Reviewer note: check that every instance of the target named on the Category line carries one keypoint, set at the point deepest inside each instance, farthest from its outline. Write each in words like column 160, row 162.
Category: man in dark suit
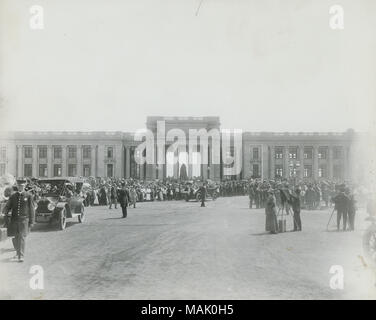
column 123, row 199
column 341, row 205
column 22, row 219
column 295, row 204
column 203, row 194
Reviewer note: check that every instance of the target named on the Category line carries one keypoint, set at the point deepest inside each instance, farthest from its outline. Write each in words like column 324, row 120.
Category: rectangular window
column 278, row 171
column 58, row 152
column 43, row 170
column 86, row 170
column 3, row 153
column 255, row 153
column 2, row 169
column 322, row 172
column 293, row 152
column 279, row 152
column 57, row 170
column 28, row 152
column 42, row 152
column 308, row 153
column 255, row 171
column 86, row 152
column 323, row 151
column 72, row 152
column 28, row 170
column 110, row 152
column 337, row 152
column 110, row 170
column 72, row 170
column 307, row 172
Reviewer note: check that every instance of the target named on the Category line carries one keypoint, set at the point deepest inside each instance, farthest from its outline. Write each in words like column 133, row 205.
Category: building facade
column 263, row 155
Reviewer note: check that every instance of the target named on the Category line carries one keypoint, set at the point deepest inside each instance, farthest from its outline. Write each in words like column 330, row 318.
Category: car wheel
column 198, row 196
column 62, row 219
column 81, row 217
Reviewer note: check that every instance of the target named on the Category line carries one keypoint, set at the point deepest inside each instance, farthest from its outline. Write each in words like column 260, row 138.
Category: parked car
column 60, row 199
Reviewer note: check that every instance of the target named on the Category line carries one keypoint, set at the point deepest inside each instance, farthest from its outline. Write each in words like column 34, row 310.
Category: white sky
column 270, row 65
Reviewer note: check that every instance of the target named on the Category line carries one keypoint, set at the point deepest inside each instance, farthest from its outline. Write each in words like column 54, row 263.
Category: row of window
column 308, row 171
column 308, row 152
column 58, row 151
column 57, row 170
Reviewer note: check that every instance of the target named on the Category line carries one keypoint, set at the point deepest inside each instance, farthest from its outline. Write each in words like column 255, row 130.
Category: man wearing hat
column 203, row 194
column 295, row 203
column 341, row 205
column 124, row 199
column 21, row 205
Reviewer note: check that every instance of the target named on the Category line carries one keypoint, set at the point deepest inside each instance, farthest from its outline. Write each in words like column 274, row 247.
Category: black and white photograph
column 187, row 150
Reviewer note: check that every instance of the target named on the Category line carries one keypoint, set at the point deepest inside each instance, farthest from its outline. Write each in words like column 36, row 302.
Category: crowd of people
column 273, row 195
column 279, row 197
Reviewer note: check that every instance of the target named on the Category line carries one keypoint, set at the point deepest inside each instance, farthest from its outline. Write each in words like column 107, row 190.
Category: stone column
column 64, row 170
column 19, row 161
column 79, row 161
column 286, row 168
column 272, row 162
column 93, row 160
column 127, row 162
column 330, row 162
column 345, row 163
column 349, row 160
column 264, row 163
column 35, row 162
column 49, row 162
column 204, row 167
column 315, row 162
column 301, row 161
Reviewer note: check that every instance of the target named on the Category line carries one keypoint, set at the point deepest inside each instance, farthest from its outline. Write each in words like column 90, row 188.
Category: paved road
column 177, row 250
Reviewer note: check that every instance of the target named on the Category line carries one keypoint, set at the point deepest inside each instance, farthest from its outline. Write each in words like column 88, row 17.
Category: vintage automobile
column 60, row 199
column 192, row 192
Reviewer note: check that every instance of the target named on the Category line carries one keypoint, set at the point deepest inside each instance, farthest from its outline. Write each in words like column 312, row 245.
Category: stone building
column 114, row 154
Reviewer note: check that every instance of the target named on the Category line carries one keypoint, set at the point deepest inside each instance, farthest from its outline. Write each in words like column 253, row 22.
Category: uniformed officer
column 21, row 205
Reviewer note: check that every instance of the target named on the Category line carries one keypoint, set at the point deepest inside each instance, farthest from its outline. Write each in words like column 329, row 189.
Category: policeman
column 21, row 205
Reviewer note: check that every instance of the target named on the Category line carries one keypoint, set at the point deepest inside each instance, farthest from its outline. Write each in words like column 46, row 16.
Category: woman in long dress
column 271, row 213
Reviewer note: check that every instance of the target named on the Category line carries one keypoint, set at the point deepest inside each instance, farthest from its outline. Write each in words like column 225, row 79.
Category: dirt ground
column 177, row 250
